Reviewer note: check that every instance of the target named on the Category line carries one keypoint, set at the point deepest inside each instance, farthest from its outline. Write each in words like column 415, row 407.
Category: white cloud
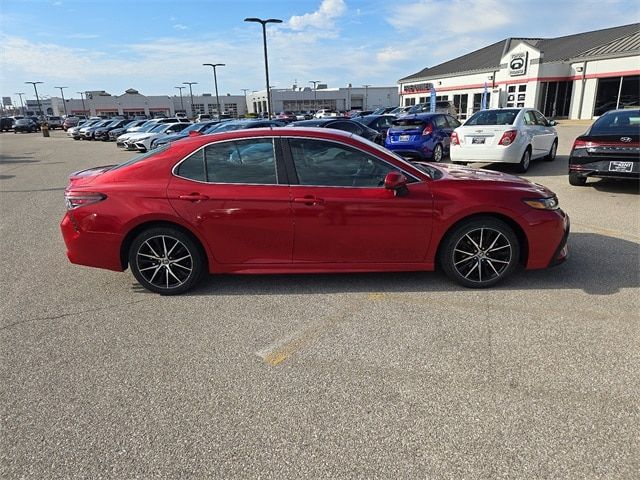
column 180, row 26
column 455, row 16
column 323, row 18
column 82, row 36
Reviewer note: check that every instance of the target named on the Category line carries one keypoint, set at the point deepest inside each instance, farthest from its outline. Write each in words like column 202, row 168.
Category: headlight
column 550, row 203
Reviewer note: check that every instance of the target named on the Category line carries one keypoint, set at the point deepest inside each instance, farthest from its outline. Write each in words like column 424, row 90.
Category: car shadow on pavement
column 612, row 185
column 558, row 167
column 12, row 159
column 598, row 264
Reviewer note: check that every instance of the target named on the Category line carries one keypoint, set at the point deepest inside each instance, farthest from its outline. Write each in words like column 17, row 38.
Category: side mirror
column 397, row 182
column 552, row 123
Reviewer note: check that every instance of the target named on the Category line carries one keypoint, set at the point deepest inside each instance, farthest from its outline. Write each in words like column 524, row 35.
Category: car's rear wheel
column 525, row 161
column 437, row 153
column 166, row 260
column 577, row 180
column 552, row 153
column 480, row 252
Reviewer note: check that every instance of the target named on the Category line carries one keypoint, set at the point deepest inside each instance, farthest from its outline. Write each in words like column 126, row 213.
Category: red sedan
column 304, row 200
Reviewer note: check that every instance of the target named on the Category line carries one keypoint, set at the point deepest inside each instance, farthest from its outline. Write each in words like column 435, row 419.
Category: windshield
column 493, row 117
column 617, row 123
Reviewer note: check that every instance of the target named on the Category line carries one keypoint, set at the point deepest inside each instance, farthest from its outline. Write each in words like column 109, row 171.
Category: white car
column 326, row 113
column 146, row 127
column 505, row 135
column 142, row 142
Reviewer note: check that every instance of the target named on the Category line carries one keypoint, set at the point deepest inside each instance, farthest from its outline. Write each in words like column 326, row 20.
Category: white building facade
column 578, row 76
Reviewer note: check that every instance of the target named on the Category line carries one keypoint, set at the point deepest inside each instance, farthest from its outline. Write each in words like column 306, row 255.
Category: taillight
column 75, row 200
column 582, row 144
column 428, row 130
column 508, row 137
column 454, row 139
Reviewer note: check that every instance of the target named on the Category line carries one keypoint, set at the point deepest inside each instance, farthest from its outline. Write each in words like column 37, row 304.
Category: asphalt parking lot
column 401, row 375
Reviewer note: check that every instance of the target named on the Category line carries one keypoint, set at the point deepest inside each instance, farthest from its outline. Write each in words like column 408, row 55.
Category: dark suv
column 6, row 124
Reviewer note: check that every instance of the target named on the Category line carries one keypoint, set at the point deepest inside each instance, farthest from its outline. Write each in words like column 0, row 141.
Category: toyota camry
column 304, row 200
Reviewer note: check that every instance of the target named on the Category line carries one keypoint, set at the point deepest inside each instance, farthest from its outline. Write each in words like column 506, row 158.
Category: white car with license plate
column 142, row 142
column 505, row 135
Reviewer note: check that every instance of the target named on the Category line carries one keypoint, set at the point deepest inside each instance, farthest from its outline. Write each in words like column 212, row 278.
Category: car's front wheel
column 166, row 260
column 480, row 252
column 551, row 156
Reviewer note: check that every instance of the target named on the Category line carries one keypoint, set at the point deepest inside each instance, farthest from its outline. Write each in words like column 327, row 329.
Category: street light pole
column 84, row 109
column 315, row 93
column 63, row 102
column 366, row 97
column 37, row 97
column 21, row 103
column 181, row 102
column 215, row 82
column 266, row 62
column 191, row 95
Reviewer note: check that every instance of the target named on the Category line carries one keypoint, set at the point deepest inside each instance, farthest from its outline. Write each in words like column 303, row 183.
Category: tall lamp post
column 37, row 97
column 191, row 95
column 63, row 102
column 266, row 62
column 215, row 82
column 84, row 109
column 366, row 96
column 21, row 103
column 315, row 93
column 181, row 101
column 245, row 90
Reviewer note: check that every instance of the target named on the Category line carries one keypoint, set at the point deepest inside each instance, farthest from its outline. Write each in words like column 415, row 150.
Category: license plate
column 621, row 167
column 404, row 138
column 477, row 141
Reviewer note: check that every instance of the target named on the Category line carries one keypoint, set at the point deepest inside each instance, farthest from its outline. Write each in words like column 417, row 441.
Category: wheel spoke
column 481, row 235
column 494, row 242
column 171, row 250
column 155, row 273
column 472, row 269
column 166, row 274
column 471, row 257
column 498, row 248
column 164, row 246
column 148, row 256
column 497, row 261
column 180, row 259
column 181, row 266
column 472, row 241
column 492, row 267
column 149, row 268
column 462, row 251
column 151, row 248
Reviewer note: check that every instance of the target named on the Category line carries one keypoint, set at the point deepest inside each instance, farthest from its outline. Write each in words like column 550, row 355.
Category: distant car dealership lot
column 319, row 375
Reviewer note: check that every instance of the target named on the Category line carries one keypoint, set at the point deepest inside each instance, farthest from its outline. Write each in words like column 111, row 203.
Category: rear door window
column 250, row 161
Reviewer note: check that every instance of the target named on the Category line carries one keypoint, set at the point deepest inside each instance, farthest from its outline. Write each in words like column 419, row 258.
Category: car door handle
column 308, row 200
column 193, row 197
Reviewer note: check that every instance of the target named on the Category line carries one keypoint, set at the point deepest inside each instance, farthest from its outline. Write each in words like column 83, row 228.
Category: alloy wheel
column 437, row 153
column 482, row 255
column 164, row 262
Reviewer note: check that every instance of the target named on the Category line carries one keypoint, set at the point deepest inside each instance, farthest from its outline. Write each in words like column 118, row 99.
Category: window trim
column 292, row 173
column 279, row 172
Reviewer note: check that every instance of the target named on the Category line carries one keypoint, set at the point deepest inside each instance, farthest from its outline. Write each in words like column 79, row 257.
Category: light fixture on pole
column 37, row 97
column 215, row 82
column 181, row 102
column 266, row 62
column 21, row 102
column 366, row 96
column 63, row 102
column 84, row 109
column 315, row 93
column 193, row 116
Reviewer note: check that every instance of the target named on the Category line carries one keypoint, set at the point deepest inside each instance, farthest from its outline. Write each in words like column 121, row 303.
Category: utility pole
column 37, row 97
column 315, row 93
column 215, row 82
column 181, row 102
column 84, row 109
column 21, row 102
column 63, row 102
column 193, row 116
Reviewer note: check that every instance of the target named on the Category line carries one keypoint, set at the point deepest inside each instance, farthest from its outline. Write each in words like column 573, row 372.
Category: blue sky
column 155, row 45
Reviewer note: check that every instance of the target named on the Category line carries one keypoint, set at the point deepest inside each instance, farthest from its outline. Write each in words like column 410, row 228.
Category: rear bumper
column 93, row 249
column 602, row 168
column 495, row 154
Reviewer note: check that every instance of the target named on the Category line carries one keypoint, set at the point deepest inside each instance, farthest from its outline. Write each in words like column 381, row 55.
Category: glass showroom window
column 617, row 92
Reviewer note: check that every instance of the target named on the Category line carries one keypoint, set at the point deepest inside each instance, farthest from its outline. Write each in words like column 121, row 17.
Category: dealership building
column 577, row 76
column 132, row 103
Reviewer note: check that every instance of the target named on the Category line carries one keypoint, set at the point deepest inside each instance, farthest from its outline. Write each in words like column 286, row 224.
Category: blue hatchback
column 424, row 136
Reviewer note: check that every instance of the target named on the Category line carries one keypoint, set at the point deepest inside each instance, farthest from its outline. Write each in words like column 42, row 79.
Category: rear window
column 409, row 124
column 493, row 117
column 617, row 123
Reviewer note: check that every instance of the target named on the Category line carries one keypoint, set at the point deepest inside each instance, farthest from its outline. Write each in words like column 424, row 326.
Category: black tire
column 479, row 252
column 438, row 153
column 525, row 161
column 551, row 156
column 155, row 251
column 577, row 180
